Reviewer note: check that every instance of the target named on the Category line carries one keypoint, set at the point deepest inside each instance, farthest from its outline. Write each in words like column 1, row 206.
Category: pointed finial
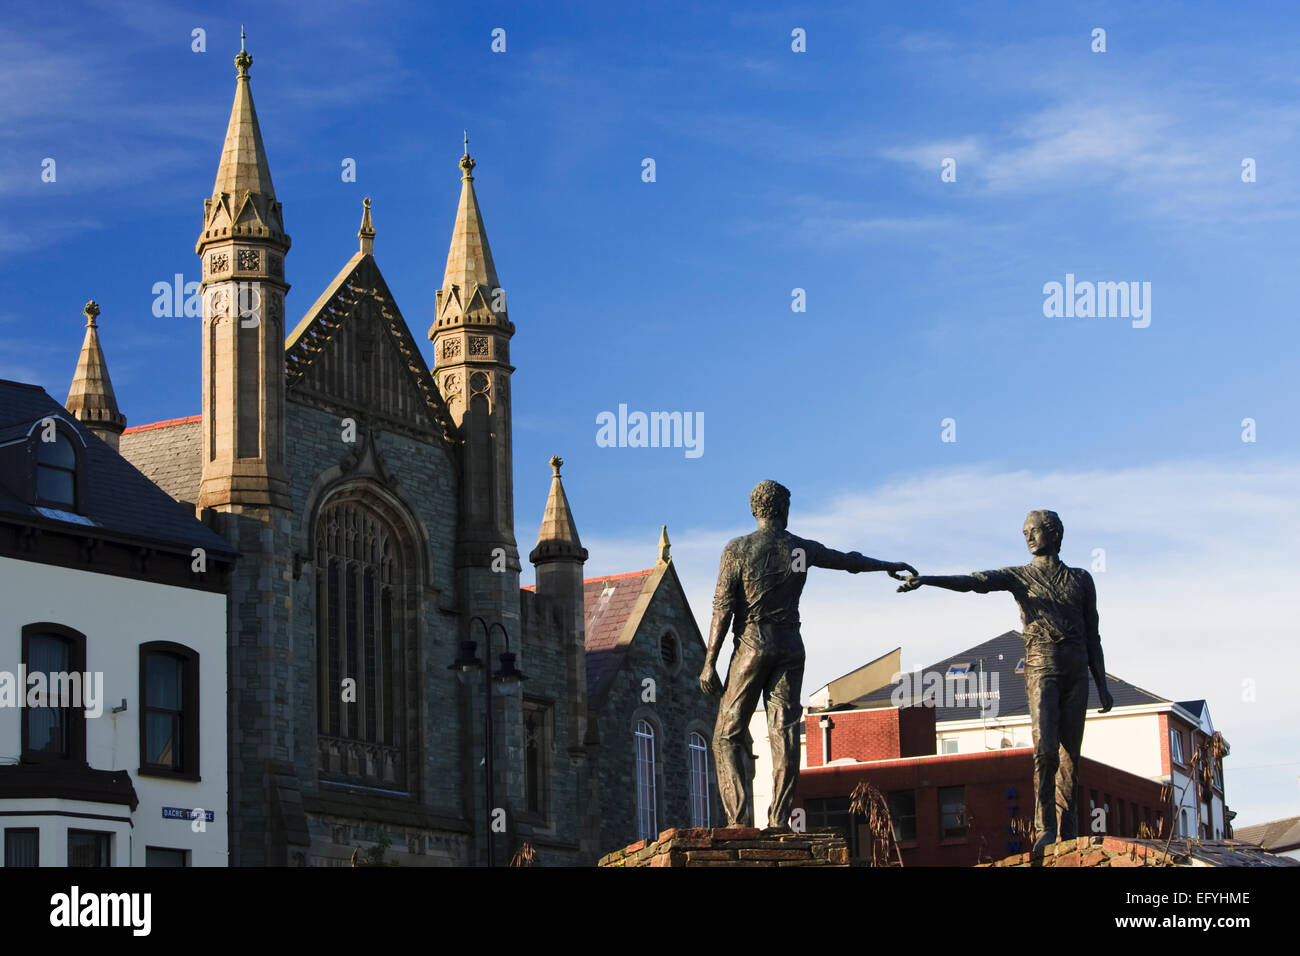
column 466, row 162
column 367, row 231
column 664, row 545
column 556, row 462
column 90, row 311
column 243, row 60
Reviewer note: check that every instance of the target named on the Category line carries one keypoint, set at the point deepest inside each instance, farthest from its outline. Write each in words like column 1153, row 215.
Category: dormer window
column 56, row 472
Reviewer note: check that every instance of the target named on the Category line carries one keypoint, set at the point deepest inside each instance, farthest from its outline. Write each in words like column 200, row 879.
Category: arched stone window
column 647, row 817
column 366, row 608
column 698, row 749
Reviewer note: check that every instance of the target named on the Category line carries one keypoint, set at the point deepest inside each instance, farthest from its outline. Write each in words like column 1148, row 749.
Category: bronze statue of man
column 1058, row 611
column 759, row 583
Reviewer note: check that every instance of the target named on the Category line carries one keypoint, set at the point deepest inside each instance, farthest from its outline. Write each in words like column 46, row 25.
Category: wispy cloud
column 928, row 156
column 1163, row 158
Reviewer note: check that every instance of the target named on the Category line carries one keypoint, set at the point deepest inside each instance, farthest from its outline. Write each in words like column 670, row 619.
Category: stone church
column 371, row 501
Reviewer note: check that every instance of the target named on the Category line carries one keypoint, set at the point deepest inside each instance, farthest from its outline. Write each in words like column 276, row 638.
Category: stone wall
column 734, row 846
column 555, row 834
column 273, row 659
column 678, row 708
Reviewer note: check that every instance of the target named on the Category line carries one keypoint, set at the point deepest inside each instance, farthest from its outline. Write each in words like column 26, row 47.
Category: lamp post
column 507, row 679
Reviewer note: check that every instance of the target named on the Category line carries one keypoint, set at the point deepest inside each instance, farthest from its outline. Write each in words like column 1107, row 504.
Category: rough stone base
column 1119, row 851
column 734, row 846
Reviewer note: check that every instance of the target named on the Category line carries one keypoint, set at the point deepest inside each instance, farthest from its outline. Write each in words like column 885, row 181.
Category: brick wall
column 996, row 791
column 880, row 734
column 1165, row 758
column 1098, row 851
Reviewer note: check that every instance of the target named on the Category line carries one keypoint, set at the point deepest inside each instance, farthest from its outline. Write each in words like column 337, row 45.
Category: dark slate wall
column 679, row 707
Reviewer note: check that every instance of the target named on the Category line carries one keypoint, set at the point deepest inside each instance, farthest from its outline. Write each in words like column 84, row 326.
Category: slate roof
column 1011, row 701
column 1220, row 853
column 170, row 454
column 608, row 604
column 1276, row 835
column 118, row 498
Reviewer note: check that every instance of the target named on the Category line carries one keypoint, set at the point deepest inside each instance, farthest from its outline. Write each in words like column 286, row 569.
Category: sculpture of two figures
column 759, row 583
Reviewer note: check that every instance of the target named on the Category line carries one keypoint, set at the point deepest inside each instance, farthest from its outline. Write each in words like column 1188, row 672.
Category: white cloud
column 928, row 156
column 1166, row 155
column 1197, row 596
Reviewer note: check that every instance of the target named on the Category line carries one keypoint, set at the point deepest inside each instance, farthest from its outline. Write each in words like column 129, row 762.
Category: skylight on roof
column 67, row 516
column 1020, row 666
column 958, row 670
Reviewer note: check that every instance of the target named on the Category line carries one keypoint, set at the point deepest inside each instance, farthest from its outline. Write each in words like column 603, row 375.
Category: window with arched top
column 698, row 749
column 647, row 818
column 53, row 720
column 538, row 748
column 56, row 471
column 668, row 651
column 364, row 611
column 169, row 710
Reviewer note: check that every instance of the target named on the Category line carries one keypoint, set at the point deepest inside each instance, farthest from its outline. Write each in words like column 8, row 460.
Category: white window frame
column 646, row 803
column 1176, row 747
column 699, row 754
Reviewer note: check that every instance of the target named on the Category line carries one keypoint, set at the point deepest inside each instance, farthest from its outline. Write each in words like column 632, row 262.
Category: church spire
column 469, row 259
column 558, row 537
column 242, row 250
column 558, row 559
column 243, row 158
column 91, row 397
column 243, row 199
column 471, row 348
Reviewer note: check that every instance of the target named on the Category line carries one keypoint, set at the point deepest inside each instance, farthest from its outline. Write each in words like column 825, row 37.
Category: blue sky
column 775, row 170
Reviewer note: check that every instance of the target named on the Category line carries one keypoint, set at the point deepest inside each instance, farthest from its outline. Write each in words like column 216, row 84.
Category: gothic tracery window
column 537, row 756
column 360, row 627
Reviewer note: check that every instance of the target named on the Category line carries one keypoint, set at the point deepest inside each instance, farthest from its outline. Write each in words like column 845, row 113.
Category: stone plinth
column 734, row 846
column 1106, row 851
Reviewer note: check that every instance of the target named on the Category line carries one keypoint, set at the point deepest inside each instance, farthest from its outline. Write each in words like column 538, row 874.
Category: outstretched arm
column 952, row 582
column 981, row 583
column 820, row 556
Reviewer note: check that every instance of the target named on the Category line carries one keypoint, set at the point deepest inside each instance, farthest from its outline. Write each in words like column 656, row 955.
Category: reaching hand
column 911, row 584
column 897, row 566
column 709, row 682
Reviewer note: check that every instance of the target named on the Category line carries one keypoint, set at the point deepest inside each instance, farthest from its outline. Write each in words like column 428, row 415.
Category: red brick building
column 949, row 809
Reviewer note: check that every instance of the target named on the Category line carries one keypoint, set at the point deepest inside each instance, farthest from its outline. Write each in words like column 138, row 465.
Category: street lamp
column 506, row 678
